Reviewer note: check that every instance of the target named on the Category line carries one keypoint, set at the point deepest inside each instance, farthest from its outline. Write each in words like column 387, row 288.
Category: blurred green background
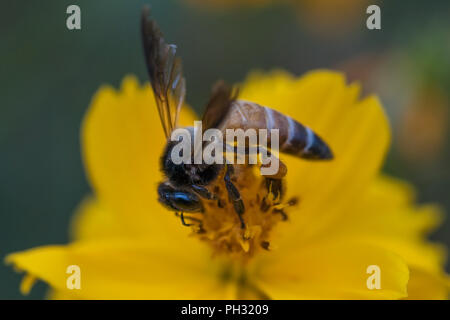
column 49, row 74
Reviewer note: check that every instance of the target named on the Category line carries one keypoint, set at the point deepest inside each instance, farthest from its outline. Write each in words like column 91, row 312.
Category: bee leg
column 234, row 195
column 275, row 191
column 274, row 185
column 184, row 223
column 280, row 174
column 203, row 192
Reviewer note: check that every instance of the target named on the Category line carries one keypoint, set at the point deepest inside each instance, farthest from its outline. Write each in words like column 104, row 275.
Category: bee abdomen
column 301, row 141
column 294, row 138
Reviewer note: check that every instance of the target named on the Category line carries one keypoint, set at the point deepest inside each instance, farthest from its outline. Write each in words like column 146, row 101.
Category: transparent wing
column 219, row 104
column 165, row 72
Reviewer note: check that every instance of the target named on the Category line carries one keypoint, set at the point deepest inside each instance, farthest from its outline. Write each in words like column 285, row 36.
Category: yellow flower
column 348, row 216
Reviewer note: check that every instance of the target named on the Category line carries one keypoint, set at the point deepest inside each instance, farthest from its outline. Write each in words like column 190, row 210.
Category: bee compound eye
column 185, row 201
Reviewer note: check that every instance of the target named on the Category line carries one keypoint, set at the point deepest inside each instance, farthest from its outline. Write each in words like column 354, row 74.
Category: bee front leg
column 184, row 223
column 203, row 192
column 234, row 195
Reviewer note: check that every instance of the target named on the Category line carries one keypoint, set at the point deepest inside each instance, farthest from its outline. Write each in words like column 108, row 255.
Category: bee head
column 187, row 174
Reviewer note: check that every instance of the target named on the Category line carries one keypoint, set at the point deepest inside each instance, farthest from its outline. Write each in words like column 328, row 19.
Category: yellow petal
column 27, row 283
column 389, row 207
column 93, row 221
column 60, row 295
column 333, row 270
column 426, row 286
column 357, row 131
column 387, row 216
column 124, row 269
column 122, row 140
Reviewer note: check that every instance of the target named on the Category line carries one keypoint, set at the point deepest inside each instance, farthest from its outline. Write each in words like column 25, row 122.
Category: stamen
column 283, row 214
column 241, row 235
column 265, row 245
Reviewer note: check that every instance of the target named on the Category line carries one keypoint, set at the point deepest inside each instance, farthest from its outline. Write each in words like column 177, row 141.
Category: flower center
column 235, row 275
column 220, row 225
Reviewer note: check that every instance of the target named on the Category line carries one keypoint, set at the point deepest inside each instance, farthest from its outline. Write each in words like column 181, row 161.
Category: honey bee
column 187, row 184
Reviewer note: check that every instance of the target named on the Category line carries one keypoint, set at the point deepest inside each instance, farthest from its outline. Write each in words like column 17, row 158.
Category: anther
column 221, row 203
column 264, row 205
column 293, row 201
column 265, row 245
column 284, row 216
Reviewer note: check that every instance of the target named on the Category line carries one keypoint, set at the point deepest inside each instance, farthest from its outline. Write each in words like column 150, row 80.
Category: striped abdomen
column 294, row 138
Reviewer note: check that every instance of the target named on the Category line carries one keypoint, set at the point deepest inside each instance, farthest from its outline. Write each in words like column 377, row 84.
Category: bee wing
column 219, row 104
column 165, row 72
